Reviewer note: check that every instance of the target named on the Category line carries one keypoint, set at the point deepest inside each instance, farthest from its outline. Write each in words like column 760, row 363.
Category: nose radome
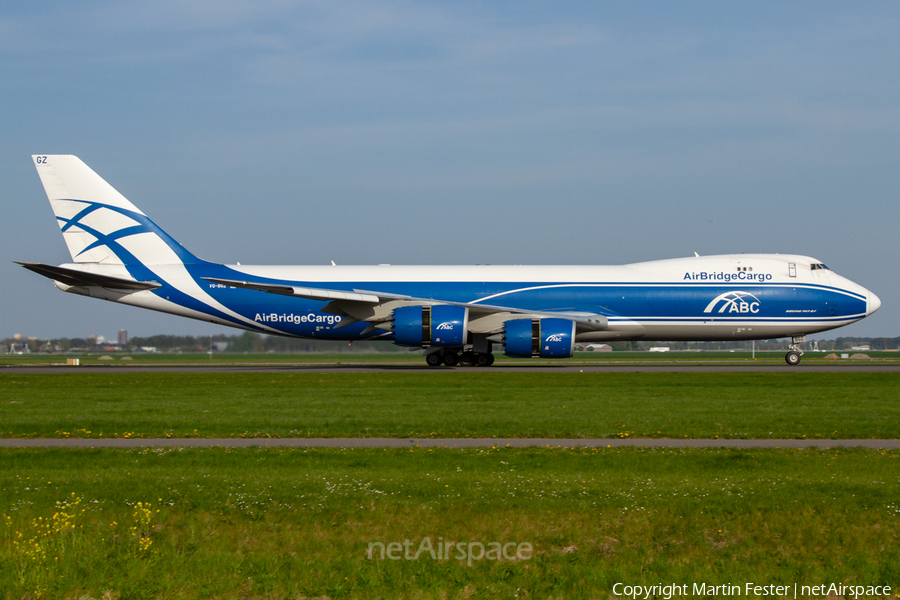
column 873, row 303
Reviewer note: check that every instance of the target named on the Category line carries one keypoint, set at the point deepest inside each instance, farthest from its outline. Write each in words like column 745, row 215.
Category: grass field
column 251, row 523
column 291, row 523
column 452, row 404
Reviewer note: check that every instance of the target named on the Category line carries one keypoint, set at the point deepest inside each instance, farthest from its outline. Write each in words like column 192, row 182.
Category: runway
column 439, row 443
column 837, row 367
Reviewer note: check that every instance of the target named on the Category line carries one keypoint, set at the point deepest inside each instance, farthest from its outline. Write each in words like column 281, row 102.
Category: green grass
column 452, row 404
column 284, row 523
column 288, row 523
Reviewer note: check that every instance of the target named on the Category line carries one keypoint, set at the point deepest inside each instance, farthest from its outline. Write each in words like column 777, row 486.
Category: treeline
column 254, row 342
column 879, row 343
column 841, row 343
column 761, row 345
column 245, row 342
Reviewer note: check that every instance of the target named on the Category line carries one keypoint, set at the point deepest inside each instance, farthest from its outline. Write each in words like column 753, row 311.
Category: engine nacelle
column 439, row 325
column 546, row 338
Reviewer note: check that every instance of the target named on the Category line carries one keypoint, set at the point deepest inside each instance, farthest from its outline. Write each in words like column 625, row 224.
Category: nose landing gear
column 794, row 352
column 792, row 358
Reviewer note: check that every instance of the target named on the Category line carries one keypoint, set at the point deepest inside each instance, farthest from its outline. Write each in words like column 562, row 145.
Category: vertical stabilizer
column 98, row 223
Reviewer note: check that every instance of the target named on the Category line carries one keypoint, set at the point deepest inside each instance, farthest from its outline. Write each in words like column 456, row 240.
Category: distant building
column 123, row 338
column 594, row 347
column 660, row 349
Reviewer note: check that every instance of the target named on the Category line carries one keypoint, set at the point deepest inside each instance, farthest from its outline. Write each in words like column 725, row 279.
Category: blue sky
column 456, row 133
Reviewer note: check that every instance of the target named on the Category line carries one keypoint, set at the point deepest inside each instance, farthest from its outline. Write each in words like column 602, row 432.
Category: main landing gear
column 451, row 358
column 794, row 352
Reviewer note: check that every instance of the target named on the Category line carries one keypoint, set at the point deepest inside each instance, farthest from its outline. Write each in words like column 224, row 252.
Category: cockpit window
column 818, row 267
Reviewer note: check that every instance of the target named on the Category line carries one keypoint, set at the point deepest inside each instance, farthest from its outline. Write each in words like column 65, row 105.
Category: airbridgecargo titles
column 726, row 277
column 308, row 318
column 454, row 314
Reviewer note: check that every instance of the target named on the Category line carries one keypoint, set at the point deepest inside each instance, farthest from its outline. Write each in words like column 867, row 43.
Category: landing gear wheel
column 794, row 351
column 467, row 358
column 484, row 359
column 451, row 359
column 434, row 359
column 792, row 358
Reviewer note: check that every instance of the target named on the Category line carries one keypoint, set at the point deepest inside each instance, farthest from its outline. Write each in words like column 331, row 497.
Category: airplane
column 454, row 314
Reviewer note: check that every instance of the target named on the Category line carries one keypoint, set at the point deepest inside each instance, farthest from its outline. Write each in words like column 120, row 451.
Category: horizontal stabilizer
column 74, row 277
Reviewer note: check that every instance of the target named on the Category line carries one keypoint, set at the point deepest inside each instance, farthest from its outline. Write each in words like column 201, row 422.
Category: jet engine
column 438, row 325
column 546, row 338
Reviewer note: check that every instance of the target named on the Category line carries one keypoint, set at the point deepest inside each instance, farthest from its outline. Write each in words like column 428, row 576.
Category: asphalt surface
column 524, row 368
column 438, row 443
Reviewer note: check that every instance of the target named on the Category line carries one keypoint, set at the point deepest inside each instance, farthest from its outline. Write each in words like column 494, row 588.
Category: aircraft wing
column 307, row 292
column 75, row 277
column 374, row 307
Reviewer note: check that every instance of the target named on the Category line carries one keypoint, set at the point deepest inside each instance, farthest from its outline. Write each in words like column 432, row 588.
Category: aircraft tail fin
column 98, row 223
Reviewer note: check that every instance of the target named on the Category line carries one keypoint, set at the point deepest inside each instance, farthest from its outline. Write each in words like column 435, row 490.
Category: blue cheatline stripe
column 755, row 320
column 692, row 301
column 811, row 286
column 140, row 271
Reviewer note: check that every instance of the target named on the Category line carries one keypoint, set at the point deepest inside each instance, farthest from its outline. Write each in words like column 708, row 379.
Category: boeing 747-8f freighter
column 456, row 314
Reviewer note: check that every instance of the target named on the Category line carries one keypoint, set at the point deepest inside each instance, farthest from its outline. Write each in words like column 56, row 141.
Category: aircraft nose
column 873, row 303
